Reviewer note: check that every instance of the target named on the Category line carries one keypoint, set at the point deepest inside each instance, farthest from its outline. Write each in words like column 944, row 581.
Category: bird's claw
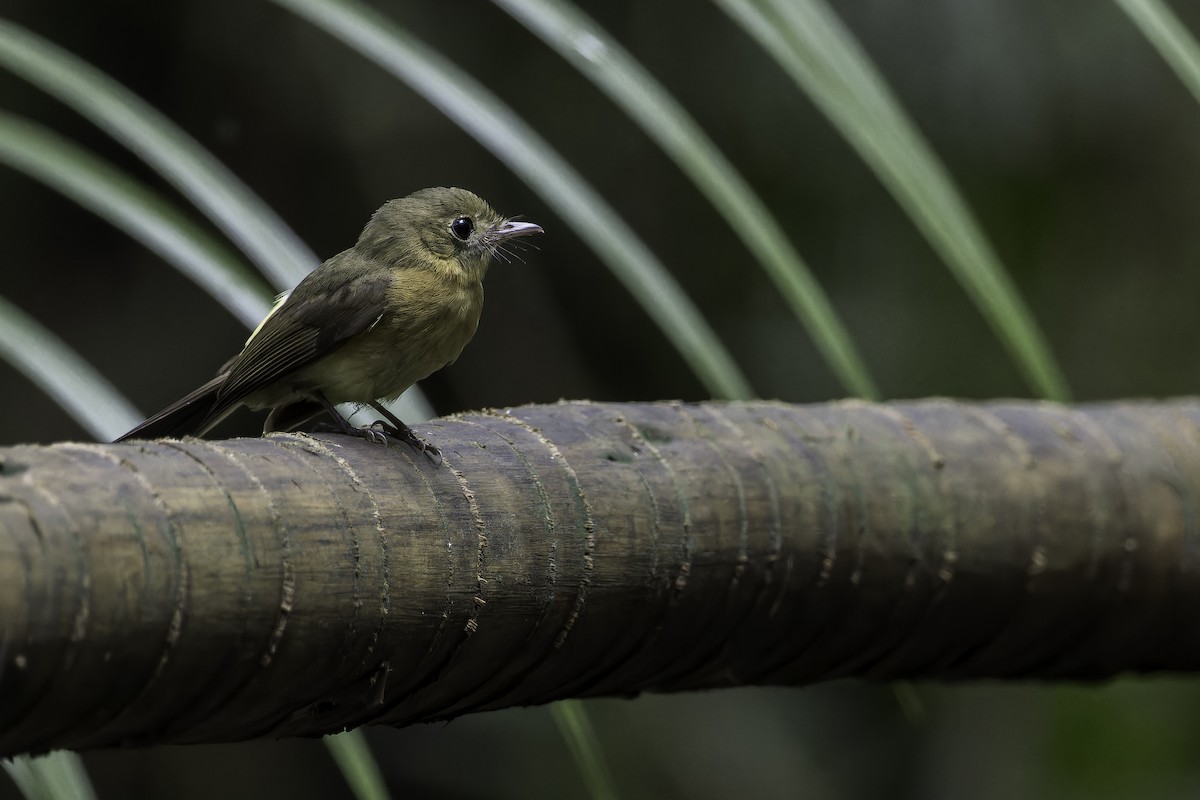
column 426, row 448
column 407, row 435
column 380, row 431
column 377, row 432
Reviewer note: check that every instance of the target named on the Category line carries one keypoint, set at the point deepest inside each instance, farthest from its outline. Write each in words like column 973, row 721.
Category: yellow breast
column 421, row 332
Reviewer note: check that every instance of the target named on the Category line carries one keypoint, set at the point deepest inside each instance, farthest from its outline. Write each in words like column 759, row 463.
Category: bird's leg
column 380, row 430
column 371, row 434
column 402, row 431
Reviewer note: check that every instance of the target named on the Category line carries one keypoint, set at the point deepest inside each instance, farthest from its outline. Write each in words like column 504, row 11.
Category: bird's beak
column 511, row 230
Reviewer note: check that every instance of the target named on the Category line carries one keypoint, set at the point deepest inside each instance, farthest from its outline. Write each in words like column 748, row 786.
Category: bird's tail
column 191, row 415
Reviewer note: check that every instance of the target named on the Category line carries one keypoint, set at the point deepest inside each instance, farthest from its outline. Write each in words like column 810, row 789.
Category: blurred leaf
column 55, row 776
column 1170, row 38
column 911, row 704
column 817, row 51
column 136, row 210
column 61, row 373
column 598, row 56
column 353, row 757
column 216, row 191
column 576, row 728
column 1126, row 739
column 497, row 127
column 179, row 158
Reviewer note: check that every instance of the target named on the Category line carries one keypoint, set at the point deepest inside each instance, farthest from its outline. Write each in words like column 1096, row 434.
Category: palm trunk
column 198, row 591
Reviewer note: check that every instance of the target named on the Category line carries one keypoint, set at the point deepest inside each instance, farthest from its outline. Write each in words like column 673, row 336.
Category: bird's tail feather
column 192, row 415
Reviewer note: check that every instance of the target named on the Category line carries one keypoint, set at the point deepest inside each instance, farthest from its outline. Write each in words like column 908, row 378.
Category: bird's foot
column 380, row 431
column 376, row 433
column 403, row 433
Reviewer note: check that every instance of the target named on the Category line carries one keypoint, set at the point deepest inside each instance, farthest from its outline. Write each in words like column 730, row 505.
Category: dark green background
column 1075, row 145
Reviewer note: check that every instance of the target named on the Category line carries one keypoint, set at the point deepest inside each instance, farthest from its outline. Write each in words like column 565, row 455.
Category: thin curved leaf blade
column 59, row 775
column 482, row 115
column 582, row 42
column 201, row 177
column 358, row 766
column 63, row 375
column 1164, row 30
column 130, row 206
column 812, row 46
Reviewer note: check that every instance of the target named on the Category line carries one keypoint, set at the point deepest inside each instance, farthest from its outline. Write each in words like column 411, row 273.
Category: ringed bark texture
column 198, row 591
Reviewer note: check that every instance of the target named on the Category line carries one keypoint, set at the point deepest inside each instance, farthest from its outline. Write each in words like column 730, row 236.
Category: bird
column 363, row 326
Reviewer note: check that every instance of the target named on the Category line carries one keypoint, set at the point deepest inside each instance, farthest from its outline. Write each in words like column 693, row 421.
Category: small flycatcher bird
column 362, row 327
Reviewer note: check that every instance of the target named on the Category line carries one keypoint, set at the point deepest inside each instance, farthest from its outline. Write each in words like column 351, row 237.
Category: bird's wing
column 309, row 325
column 316, row 319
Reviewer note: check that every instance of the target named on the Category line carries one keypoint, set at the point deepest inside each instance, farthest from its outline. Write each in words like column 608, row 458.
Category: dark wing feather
column 277, row 350
column 312, row 323
column 321, row 313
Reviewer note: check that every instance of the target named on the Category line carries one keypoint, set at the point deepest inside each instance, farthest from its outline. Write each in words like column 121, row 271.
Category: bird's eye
column 462, row 228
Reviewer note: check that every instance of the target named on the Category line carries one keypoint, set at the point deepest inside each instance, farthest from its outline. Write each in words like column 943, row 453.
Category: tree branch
column 195, row 591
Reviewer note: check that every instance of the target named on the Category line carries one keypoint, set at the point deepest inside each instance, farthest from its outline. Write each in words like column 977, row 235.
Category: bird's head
column 451, row 230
